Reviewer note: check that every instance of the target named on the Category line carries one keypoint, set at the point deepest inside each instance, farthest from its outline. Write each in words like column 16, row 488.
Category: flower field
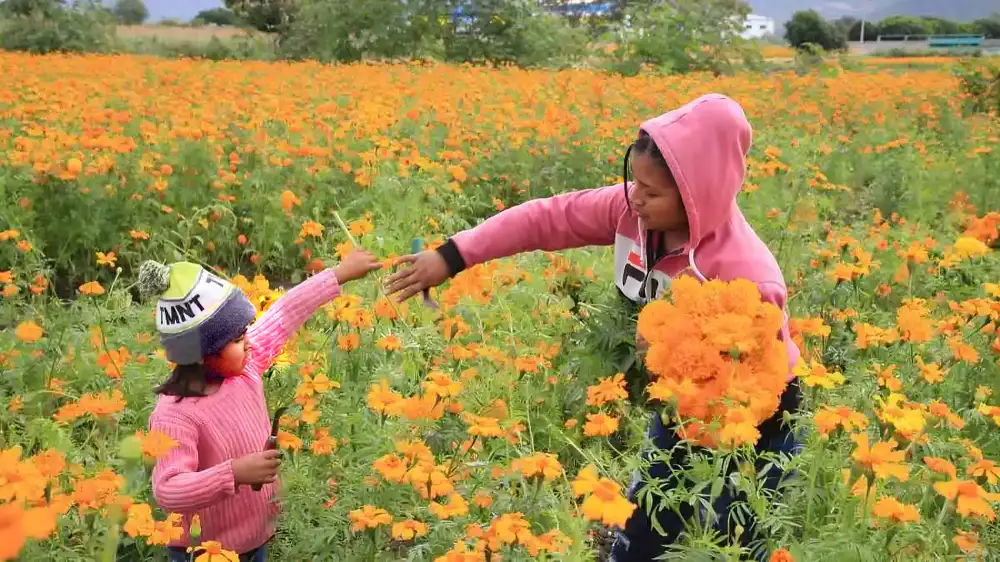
column 507, row 423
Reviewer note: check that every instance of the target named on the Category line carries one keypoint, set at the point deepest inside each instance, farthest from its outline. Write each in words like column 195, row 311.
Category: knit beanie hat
column 197, row 313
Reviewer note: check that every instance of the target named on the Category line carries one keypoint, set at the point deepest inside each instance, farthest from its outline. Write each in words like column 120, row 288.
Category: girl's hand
column 641, row 345
column 356, row 265
column 428, row 269
column 257, row 468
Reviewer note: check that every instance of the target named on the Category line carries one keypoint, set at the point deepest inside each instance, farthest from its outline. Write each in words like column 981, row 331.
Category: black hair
column 643, row 145
column 186, row 381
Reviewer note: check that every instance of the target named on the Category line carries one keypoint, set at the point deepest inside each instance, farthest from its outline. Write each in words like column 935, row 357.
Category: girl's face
column 655, row 196
column 229, row 361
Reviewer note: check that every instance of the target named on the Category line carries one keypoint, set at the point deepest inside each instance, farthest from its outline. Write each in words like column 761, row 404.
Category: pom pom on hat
column 154, row 278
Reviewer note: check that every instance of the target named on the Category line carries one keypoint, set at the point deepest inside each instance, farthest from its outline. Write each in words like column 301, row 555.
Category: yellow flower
column 107, row 259
column 813, row 373
column 968, row 247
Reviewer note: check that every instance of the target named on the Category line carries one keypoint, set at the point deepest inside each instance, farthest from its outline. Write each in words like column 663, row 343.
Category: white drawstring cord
column 695, row 267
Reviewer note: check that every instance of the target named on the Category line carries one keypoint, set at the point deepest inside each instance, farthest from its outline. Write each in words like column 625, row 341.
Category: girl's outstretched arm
column 178, row 485
column 570, row 220
column 267, row 336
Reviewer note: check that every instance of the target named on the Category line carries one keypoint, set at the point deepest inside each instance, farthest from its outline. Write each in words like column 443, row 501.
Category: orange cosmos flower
column 12, row 534
column 882, row 458
column 604, row 501
column 600, row 425
column 29, row 332
column 542, row 465
column 212, row 551
column 408, row 530
column 369, row 517
column 155, row 444
column 289, row 441
column 828, row 419
column 608, row 389
column 890, row 508
column 441, row 386
column 311, row 228
column 107, row 259
column 456, row 507
column 349, row 342
column 389, row 343
column 482, row 426
column 972, row 499
column 92, row 288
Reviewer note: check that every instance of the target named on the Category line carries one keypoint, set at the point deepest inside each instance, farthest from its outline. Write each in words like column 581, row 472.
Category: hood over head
column 705, row 144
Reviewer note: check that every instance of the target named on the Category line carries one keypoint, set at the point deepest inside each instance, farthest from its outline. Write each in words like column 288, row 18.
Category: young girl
column 678, row 217
column 213, row 402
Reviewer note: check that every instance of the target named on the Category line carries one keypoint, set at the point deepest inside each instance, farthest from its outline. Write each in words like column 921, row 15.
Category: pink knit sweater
column 196, row 477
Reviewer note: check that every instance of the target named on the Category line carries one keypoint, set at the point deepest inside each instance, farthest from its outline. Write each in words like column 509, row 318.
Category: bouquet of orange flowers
column 716, row 358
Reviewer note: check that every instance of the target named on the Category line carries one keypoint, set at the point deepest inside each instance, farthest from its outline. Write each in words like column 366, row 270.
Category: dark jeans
column 257, row 555
column 641, row 542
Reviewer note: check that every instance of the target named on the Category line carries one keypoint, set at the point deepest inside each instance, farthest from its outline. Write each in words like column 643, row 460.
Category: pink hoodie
column 705, row 143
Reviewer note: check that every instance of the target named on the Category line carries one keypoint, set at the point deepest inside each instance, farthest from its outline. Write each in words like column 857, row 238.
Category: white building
column 756, row 27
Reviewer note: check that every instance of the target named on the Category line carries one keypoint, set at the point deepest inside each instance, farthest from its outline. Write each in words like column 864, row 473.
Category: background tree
column 686, row 35
column 990, row 27
column 218, row 16
column 266, row 15
column 808, row 27
column 130, row 12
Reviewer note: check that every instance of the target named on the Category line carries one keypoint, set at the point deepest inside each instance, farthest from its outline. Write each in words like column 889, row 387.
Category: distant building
column 584, row 8
column 756, row 27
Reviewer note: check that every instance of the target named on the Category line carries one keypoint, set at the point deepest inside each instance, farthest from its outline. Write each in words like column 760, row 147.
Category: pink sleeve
column 178, row 485
column 569, row 220
column 268, row 334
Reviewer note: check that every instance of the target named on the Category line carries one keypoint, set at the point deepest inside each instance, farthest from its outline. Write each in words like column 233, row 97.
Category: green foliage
column 130, row 12
column 43, row 26
column 810, row 27
column 265, row 15
column 509, row 31
column 687, row 35
column 981, row 86
column 344, row 30
column 218, row 16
